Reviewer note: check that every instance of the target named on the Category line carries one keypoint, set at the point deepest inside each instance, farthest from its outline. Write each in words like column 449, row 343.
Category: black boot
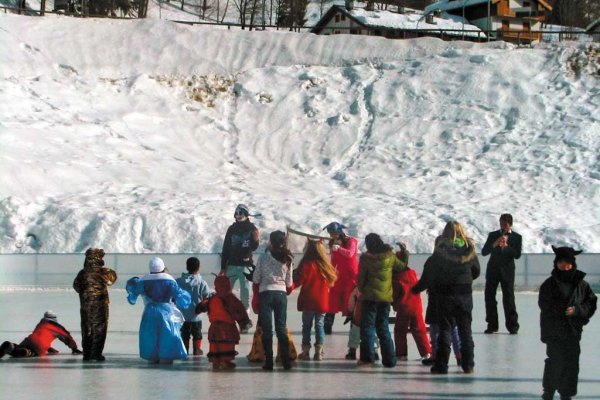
column 6, row 348
column 284, row 346
column 268, row 347
column 548, row 395
column 329, row 318
column 351, row 354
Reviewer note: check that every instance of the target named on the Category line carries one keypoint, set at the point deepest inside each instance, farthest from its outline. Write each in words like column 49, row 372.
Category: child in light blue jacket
column 197, row 287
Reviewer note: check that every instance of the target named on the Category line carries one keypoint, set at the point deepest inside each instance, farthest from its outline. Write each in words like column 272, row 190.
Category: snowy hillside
column 142, row 136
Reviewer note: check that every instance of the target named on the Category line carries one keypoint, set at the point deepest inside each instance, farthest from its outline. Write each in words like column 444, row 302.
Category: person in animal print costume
column 92, row 285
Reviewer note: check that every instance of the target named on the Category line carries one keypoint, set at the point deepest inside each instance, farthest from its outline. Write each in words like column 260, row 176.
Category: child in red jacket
column 224, row 310
column 315, row 275
column 39, row 343
column 409, row 311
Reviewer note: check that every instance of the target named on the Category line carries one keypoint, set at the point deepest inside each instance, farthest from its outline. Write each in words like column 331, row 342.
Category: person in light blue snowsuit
column 160, row 336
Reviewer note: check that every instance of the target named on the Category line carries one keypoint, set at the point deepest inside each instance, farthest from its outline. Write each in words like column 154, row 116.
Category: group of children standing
column 331, row 280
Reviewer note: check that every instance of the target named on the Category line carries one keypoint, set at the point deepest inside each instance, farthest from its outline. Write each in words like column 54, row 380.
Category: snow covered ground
column 142, row 136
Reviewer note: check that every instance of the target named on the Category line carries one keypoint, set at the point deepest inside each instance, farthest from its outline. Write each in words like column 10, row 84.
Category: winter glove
column 250, row 274
column 52, row 350
column 202, row 307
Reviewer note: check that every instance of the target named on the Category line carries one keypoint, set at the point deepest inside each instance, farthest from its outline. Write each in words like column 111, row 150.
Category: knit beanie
column 242, row 209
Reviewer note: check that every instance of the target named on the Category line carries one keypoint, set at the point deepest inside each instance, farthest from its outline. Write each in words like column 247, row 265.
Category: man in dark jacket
column 504, row 247
column 240, row 241
column 567, row 303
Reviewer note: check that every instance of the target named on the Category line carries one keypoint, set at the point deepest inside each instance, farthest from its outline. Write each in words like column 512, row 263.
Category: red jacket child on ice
column 39, row 343
column 409, row 311
column 224, row 310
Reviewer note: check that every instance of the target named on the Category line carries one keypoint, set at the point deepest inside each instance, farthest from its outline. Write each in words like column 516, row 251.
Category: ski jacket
column 406, row 301
column 240, row 241
column 314, row 291
column 375, row 275
column 345, row 261
column 449, row 270
column 198, row 290
column 555, row 297
column 44, row 334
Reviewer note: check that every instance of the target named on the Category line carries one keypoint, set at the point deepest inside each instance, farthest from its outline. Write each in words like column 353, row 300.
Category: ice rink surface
column 506, row 366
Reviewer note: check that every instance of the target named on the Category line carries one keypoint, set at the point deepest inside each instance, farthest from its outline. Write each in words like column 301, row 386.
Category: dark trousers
column 457, row 307
column 561, row 368
column 375, row 320
column 272, row 304
column 191, row 329
column 506, row 280
column 94, row 325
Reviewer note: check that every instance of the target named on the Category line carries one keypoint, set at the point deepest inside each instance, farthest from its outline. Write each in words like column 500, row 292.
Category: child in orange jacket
column 409, row 311
column 224, row 310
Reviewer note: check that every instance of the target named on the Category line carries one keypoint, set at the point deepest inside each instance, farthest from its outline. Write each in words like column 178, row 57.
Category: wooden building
column 511, row 20
column 395, row 25
column 593, row 30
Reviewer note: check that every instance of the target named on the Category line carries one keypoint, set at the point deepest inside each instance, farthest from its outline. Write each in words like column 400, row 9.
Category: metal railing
column 59, row 270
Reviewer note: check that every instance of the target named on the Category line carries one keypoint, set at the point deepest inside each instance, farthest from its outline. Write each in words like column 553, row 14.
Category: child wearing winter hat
column 198, row 289
column 567, row 303
column 224, row 310
column 39, row 343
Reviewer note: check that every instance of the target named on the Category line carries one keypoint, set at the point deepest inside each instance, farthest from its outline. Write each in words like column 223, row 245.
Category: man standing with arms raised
column 504, row 247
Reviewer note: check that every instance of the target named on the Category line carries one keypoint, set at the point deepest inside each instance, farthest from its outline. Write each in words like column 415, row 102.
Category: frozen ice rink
column 507, row 367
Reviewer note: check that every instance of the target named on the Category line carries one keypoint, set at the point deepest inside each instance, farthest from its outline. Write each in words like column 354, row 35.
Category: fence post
column 526, row 283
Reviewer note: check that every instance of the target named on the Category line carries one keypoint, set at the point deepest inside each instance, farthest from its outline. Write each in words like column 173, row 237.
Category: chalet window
column 337, row 18
column 354, row 31
column 336, row 32
column 343, row 17
column 526, row 4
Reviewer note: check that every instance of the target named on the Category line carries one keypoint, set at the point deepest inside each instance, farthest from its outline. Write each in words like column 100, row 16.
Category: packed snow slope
column 143, row 135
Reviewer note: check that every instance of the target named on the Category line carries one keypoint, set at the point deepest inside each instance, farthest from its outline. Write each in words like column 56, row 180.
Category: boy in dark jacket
column 567, row 303
column 92, row 285
column 39, row 343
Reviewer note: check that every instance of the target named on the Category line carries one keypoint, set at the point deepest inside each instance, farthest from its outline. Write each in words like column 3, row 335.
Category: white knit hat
column 156, row 265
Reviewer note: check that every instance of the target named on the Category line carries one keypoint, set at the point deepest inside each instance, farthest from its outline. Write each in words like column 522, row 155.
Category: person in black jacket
column 449, row 275
column 504, row 247
column 567, row 303
column 240, row 241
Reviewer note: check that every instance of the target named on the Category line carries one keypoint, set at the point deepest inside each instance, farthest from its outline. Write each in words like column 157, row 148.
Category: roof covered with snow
column 451, row 24
column 445, row 5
